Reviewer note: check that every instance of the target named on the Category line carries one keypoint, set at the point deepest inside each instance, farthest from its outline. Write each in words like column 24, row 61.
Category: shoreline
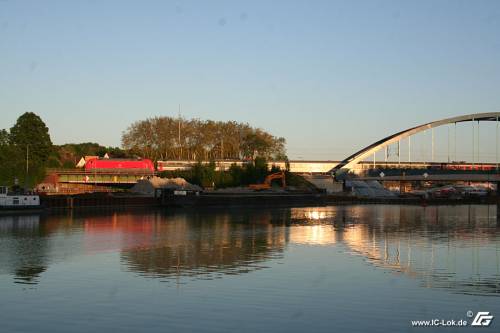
column 106, row 201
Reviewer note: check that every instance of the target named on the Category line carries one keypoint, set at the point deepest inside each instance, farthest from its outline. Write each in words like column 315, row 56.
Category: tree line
column 169, row 138
column 67, row 155
column 26, row 149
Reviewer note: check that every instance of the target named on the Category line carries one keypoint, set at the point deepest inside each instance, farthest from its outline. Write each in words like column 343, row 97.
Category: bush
column 205, row 175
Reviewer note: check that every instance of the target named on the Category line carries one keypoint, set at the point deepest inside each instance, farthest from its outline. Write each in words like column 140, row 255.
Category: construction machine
column 267, row 182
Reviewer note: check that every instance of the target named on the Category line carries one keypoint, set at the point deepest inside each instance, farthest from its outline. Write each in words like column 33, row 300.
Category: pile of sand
column 148, row 186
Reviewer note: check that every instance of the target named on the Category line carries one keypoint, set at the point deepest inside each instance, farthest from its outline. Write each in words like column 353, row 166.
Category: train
column 117, row 164
column 464, row 166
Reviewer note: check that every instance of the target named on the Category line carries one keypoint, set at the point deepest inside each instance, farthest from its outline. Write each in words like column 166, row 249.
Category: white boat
column 17, row 201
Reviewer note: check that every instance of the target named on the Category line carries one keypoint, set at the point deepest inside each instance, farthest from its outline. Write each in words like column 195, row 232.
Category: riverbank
column 304, row 199
column 85, row 201
column 258, row 199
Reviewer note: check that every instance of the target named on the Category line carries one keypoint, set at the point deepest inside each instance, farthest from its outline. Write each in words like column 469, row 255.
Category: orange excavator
column 267, row 182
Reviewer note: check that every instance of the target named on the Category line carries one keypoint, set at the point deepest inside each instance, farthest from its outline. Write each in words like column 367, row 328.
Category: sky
column 329, row 76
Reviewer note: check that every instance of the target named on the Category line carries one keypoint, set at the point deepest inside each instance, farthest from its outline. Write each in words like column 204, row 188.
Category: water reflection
column 456, row 248
column 24, row 251
column 201, row 246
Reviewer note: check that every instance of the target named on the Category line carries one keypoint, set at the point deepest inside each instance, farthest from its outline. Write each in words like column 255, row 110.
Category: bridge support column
column 498, row 213
column 473, row 143
column 496, row 144
column 455, row 142
column 399, row 152
column 69, row 202
column 432, row 144
column 409, row 149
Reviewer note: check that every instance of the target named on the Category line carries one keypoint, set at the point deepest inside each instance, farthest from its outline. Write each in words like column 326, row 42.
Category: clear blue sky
column 329, row 76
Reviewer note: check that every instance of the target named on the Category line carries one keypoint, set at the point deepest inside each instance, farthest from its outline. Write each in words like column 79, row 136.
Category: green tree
column 10, row 162
column 193, row 139
column 4, row 137
column 31, row 131
column 31, row 138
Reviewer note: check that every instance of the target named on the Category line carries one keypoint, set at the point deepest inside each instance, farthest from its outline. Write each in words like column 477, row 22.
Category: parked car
column 471, row 191
column 448, row 192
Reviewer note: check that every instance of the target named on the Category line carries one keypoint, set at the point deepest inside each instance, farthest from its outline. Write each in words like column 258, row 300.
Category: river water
column 359, row 268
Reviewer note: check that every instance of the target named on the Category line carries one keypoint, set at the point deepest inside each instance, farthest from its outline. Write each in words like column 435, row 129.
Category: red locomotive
column 105, row 164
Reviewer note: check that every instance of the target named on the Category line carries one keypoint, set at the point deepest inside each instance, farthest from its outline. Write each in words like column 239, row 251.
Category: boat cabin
column 9, row 200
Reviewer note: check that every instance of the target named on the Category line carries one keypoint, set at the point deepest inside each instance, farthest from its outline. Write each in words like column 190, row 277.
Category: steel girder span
column 348, row 163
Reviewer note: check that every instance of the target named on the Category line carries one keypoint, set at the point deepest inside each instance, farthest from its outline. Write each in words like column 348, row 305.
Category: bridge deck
column 100, row 177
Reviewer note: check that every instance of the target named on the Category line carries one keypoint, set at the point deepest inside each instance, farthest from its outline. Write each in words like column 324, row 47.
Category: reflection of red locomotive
column 117, row 164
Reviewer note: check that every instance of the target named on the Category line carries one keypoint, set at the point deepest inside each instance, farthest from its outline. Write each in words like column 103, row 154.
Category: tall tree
column 4, row 137
column 31, row 131
column 8, row 160
column 195, row 139
column 31, row 139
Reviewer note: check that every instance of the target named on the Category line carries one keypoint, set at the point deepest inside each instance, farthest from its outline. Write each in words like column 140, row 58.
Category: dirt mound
column 148, row 186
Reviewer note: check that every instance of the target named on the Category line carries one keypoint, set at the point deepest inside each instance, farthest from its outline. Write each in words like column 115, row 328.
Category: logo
column 482, row 319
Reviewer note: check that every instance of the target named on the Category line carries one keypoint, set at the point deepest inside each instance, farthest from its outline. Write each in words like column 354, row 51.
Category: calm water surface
column 327, row 269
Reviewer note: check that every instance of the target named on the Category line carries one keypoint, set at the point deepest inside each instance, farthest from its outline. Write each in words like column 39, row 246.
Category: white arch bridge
column 348, row 163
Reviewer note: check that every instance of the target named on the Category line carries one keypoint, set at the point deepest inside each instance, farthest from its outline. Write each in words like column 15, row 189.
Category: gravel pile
column 148, row 186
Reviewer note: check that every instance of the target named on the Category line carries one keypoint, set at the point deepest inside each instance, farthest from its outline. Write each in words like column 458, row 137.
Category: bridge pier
column 498, row 213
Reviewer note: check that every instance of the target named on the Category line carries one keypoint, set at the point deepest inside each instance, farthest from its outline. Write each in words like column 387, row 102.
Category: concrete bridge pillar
column 498, row 214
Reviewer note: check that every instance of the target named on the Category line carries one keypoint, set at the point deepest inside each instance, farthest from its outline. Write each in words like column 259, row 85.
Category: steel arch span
column 348, row 163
